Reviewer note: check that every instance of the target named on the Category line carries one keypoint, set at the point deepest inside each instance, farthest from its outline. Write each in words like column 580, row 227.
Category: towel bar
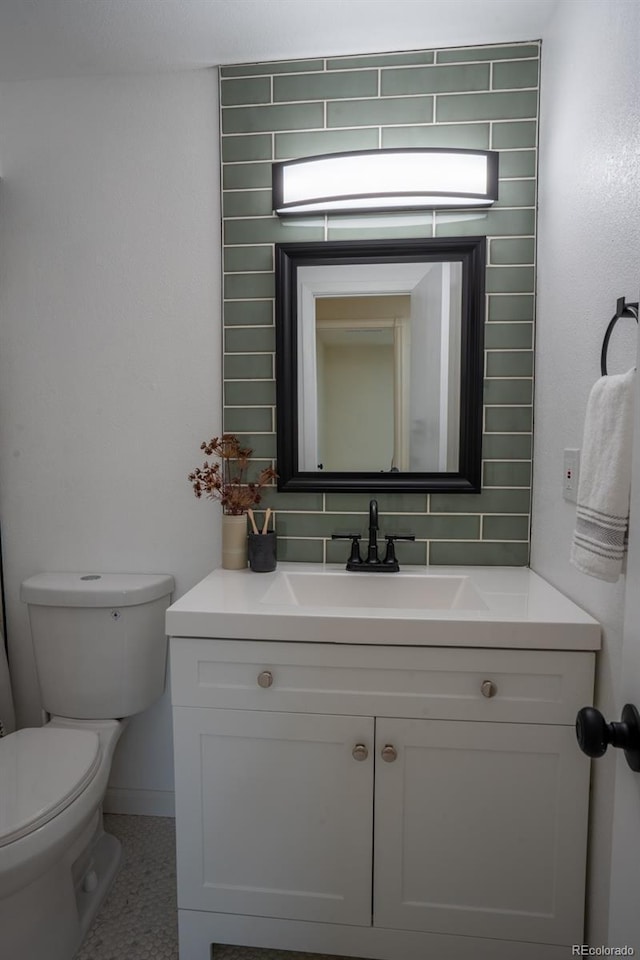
column 623, row 309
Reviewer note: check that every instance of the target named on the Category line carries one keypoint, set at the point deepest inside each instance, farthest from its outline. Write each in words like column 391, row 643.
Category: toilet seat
column 42, row 771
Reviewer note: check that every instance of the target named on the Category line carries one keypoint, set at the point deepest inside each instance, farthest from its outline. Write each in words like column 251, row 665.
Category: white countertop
column 521, row 611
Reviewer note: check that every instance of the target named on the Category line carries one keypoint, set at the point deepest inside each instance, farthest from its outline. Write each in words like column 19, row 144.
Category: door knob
column 389, row 753
column 360, row 752
column 595, row 734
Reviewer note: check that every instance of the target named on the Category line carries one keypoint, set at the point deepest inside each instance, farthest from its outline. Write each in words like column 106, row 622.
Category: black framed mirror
column 379, row 365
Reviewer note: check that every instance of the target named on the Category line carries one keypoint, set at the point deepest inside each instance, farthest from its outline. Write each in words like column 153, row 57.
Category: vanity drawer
column 525, row 686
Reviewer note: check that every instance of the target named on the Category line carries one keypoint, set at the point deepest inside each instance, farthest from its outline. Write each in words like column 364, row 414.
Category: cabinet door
column 274, row 814
column 480, row 830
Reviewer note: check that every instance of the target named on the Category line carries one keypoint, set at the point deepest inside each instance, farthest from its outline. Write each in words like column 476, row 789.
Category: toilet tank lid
column 95, row 589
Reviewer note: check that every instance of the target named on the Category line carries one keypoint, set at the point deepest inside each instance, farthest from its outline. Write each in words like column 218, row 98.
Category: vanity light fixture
column 382, row 180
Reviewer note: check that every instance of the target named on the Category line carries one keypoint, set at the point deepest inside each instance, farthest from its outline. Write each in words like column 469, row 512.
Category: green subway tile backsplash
column 275, row 67
column 489, row 501
column 509, row 336
column 387, row 503
column 240, row 176
column 245, row 393
column 479, row 554
column 272, row 230
column 518, row 163
column 246, row 203
column 506, row 446
column 434, row 527
column 241, row 259
column 299, row 551
column 398, row 82
column 513, row 74
column 292, row 145
column 502, row 390
column 490, row 222
column 246, row 148
column 293, row 116
column 520, row 133
column 249, row 313
column 263, row 445
column 516, row 193
column 316, row 524
column 518, row 307
column 471, row 97
column 509, row 279
column 488, row 106
column 516, row 473
column 306, row 502
column 249, row 339
column 512, row 251
column 487, row 53
column 469, row 136
column 381, row 60
column 326, row 86
column 256, row 366
column 248, row 419
column 508, row 419
column 248, row 286
column 505, row 528
column 380, row 226
column 363, row 113
column 509, row 363
column 256, row 90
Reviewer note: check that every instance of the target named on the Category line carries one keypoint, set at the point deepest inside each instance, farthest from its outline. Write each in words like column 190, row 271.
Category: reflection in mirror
column 386, row 351
column 387, row 376
column 361, row 367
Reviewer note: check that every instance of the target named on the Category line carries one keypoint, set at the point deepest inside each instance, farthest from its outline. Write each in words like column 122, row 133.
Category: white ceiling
column 56, row 38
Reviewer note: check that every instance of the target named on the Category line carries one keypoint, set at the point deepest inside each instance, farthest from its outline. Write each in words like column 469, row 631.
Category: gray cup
column 262, row 552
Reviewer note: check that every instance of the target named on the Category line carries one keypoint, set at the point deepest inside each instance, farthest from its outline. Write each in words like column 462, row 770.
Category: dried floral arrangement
column 225, row 480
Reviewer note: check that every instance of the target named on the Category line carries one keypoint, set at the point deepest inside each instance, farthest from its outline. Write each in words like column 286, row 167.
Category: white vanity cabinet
column 278, row 817
column 392, row 802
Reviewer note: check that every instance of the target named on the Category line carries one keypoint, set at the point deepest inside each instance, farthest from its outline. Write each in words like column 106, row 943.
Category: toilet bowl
column 97, row 648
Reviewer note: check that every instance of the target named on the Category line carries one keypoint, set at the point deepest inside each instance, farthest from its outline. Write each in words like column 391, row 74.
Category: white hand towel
column 602, row 515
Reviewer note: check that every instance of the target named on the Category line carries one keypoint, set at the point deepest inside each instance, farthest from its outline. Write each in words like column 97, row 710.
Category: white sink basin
column 507, row 607
column 380, row 590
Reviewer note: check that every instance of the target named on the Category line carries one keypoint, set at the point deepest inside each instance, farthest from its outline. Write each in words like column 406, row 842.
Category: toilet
column 100, row 650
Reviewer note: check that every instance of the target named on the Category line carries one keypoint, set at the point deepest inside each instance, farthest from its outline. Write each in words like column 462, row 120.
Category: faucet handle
column 390, row 555
column 354, row 557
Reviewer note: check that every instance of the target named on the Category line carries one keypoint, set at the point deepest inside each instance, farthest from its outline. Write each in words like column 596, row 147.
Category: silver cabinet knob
column 265, row 679
column 389, row 753
column 359, row 752
column 489, row 688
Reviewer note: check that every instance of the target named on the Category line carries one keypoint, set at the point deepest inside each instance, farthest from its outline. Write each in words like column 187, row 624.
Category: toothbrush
column 252, row 519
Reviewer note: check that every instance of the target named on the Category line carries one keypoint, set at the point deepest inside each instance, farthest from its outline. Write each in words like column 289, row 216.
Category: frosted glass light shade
column 379, row 180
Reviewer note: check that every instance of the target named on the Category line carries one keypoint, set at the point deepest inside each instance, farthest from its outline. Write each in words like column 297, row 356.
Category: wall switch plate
column 571, row 475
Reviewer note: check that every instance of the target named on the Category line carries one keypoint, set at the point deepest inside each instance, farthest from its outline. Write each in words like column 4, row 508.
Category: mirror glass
column 379, row 364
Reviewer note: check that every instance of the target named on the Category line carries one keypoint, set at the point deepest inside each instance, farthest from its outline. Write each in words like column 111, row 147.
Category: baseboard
column 150, row 803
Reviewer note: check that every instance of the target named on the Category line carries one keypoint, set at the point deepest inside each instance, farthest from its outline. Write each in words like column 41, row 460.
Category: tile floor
column 138, row 920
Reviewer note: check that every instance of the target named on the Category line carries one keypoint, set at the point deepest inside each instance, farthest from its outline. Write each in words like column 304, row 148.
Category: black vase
column 262, row 552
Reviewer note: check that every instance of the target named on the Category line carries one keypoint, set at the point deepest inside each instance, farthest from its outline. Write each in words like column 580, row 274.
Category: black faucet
column 373, row 563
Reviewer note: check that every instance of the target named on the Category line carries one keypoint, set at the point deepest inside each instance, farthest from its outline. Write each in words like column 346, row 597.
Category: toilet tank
column 99, row 641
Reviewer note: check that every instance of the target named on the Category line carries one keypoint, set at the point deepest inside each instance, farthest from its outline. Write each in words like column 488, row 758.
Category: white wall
column 110, row 352
column 588, row 256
